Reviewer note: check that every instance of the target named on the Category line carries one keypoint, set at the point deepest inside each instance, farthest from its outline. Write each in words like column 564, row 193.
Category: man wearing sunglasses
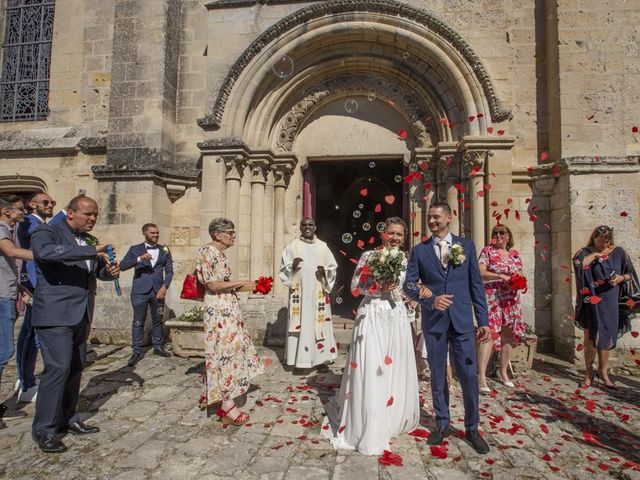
column 41, row 206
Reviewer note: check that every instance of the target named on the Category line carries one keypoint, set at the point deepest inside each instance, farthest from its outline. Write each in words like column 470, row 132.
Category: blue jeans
column 27, row 352
column 8, row 315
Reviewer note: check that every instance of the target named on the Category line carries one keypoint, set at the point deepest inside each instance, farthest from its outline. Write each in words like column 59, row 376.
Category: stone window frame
column 21, row 183
column 32, row 104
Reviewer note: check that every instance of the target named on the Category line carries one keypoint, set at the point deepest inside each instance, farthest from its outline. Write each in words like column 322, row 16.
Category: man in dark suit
column 447, row 265
column 41, row 206
column 68, row 261
column 153, row 272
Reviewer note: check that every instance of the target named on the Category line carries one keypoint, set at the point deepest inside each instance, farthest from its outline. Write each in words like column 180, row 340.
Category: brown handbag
column 192, row 289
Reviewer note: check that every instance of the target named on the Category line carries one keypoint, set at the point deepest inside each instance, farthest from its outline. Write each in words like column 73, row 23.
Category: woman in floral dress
column 498, row 263
column 231, row 360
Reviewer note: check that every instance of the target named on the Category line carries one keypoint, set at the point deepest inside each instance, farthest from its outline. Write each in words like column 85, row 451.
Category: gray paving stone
column 308, row 473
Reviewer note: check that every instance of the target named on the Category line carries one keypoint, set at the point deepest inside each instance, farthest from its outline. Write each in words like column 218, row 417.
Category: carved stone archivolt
column 334, row 7
column 363, row 84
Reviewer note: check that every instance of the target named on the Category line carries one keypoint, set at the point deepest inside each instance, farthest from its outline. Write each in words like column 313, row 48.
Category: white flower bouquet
column 386, row 265
column 456, row 255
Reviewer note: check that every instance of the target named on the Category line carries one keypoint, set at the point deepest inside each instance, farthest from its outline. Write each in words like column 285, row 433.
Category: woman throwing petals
column 231, row 360
column 378, row 398
column 600, row 268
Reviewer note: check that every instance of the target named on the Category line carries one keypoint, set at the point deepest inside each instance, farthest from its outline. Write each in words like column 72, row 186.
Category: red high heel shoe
column 241, row 419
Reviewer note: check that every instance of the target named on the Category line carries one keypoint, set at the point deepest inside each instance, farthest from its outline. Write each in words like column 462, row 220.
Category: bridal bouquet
column 386, row 265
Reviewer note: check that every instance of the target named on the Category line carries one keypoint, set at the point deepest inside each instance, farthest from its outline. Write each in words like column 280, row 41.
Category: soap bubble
column 586, row 300
column 371, row 97
column 412, row 286
column 160, row 311
column 337, row 207
column 398, row 178
column 283, row 67
column 381, row 227
column 366, row 227
column 351, row 106
column 347, row 238
column 24, row 277
column 59, row 249
column 405, row 55
column 357, row 213
column 361, row 205
column 339, row 300
column 372, row 164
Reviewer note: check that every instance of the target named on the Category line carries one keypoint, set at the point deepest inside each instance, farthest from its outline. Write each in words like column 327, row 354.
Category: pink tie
column 444, row 253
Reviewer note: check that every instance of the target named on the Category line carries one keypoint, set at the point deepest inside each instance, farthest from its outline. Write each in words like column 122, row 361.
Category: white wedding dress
column 378, row 398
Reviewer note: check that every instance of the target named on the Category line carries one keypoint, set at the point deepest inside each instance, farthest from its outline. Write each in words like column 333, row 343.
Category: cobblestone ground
column 152, row 428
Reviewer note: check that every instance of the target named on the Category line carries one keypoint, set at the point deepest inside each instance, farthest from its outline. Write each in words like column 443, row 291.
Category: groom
column 447, row 318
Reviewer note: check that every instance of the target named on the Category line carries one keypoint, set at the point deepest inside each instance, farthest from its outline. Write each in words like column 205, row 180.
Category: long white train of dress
column 378, row 397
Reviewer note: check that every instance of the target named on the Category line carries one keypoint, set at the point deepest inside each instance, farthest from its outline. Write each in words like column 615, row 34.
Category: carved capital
column 174, row 191
column 282, row 171
column 475, row 160
column 234, row 166
column 259, row 168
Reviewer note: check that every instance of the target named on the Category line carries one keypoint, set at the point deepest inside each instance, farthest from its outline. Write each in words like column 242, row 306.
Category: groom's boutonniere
column 165, row 249
column 456, row 255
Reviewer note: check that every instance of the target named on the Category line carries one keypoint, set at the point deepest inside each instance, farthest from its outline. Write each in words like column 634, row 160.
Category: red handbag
column 192, row 289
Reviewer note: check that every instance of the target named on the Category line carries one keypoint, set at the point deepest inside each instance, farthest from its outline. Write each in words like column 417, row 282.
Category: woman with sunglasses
column 600, row 268
column 231, row 360
column 498, row 262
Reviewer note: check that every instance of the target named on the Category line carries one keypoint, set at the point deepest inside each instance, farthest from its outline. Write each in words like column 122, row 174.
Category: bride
column 378, row 398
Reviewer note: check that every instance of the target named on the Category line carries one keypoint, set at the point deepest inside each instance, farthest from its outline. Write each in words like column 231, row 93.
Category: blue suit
column 62, row 310
column 28, row 344
column 454, row 325
column 147, row 280
column 61, row 216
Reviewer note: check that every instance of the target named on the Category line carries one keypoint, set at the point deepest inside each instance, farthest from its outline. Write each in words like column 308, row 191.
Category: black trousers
column 64, row 353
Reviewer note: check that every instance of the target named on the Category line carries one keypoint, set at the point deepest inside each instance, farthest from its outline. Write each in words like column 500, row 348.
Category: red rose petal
column 634, row 334
column 439, row 451
column 364, row 192
column 489, row 129
column 594, row 299
column 354, row 364
column 544, row 156
column 402, row 134
column 387, row 360
column 500, row 132
column 624, row 214
column 634, row 129
column 579, row 347
column 377, row 208
column 390, row 401
column 390, row 199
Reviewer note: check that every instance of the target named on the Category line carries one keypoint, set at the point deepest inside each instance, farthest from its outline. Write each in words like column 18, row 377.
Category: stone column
column 474, row 161
column 234, row 170
column 259, row 170
column 281, row 176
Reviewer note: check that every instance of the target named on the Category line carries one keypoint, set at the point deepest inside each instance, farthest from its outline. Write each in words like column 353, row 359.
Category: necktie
column 152, row 247
column 444, row 253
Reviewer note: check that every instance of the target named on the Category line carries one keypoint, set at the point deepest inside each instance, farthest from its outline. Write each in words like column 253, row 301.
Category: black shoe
column 2, row 425
column 438, row 435
column 79, row 428
column 48, row 442
column 477, row 442
column 3, row 408
column 161, row 352
column 134, row 359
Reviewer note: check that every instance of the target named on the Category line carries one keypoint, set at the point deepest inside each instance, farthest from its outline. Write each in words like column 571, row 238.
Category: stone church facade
column 179, row 111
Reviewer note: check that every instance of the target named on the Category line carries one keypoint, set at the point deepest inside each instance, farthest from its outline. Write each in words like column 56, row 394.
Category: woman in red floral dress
column 498, row 263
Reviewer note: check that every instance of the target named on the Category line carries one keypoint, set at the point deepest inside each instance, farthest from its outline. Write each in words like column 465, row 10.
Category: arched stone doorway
column 423, row 97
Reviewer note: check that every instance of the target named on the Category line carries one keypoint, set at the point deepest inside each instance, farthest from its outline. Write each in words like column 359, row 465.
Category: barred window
column 24, row 86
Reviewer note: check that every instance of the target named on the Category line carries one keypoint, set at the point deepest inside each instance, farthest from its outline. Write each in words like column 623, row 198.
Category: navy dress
column 602, row 318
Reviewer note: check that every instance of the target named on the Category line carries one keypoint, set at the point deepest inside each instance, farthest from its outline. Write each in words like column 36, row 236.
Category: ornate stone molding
column 585, row 166
column 220, row 4
column 363, row 84
column 175, row 184
column 387, row 7
column 21, row 183
column 471, row 158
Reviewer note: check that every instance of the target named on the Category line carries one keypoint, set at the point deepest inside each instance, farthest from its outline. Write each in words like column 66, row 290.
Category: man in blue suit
column 68, row 262
column 448, row 266
column 41, row 206
column 153, row 272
